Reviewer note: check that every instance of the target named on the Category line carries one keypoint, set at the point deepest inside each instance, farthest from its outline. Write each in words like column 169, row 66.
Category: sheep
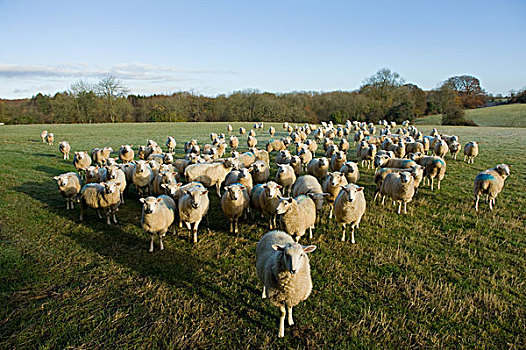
column 413, row 147
column 366, row 153
column 43, row 136
column 146, row 151
column 170, row 144
column 234, row 202
column 252, row 132
column 318, row 167
column 449, row 138
column 265, row 199
column 383, row 161
column 193, row 205
column 176, row 190
column 64, row 148
column 81, row 161
column 50, row 138
column 283, row 157
column 181, row 164
column 454, row 149
column 100, row 156
column 142, row 178
column 127, row 168
column 69, row 187
column 260, row 154
column 295, row 163
column 312, row 146
column 157, row 217
column 95, row 174
column 246, row 159
column 398, row 149
column 330, row 151
column 490, row 182
column 441, row 148
column 241, row 176
column 284, row 270
column 101, row 196
column 471, row 150
column 252, row 141
column 242, row 131
column 209, row 174
column 233, row 142
column 338, row 159
column 275, row 145
column 297, row 215
column 344, row 145
column 417, row 171
column 331, row 185
column 156, row 167
column 286, row 177
column 271, row 131
column 191, row 147
column 305, row 157
column 350, row 171
column 164, row 177
column 126, row 153
column 349, row 207
column 400, row 187
column 114, row 173
column 260, row 172
column 358, row 137
column 229, row 128
column 435, row 167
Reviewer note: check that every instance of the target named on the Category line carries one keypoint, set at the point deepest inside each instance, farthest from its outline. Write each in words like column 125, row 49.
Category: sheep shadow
column 178, row 265
column 47, row 169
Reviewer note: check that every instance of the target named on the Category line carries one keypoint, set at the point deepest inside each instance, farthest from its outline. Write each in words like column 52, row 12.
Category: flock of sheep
column 303, row 185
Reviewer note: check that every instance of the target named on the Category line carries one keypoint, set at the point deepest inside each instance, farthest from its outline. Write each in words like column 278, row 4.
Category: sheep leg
column 465, row 158
column 161, row 245
column 490, row 204
column 231, row 225
column 264, row 294
column 375, row 196
column 352, row 234
column 477, row 198
column 236, row 224
column 432, row 179
column 98, row 213
column 81, row 217
column 114, row 218
column 218, row 189
column 282, row 311
column 196, row 226
column 438, row 184
column 274, row 220
column 383, row 200
column 188, row 225
column 399, row 206
column 289, row 312
column 405, row 207
column 151, row 243
column 108, row 221
column 310, row 232
column 343, row 232
column 330, row 211
column 72, row 206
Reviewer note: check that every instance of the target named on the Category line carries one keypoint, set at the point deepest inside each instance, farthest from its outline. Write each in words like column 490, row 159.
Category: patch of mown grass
column 441, row 276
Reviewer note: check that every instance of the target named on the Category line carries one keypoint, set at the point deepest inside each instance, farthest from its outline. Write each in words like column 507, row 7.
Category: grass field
column 513, row 115
column 442, row 276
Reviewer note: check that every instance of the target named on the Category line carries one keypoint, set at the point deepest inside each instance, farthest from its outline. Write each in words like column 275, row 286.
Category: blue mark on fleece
column 485, row 177
column 439, row 161
column 405, row 162
column 301, row 198
column 256, row 188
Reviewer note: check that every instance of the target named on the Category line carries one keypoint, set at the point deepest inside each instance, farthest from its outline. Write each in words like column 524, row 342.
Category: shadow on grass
column 179, row 266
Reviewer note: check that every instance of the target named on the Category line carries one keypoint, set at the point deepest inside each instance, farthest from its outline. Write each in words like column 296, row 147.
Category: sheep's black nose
column 293, row 272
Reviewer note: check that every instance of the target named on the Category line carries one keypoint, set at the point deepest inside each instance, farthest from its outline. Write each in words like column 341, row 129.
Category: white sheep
column 81, row 161
column 384, row 161
column 349, row 208
column 350, row 171
column 295, row 163
column 435, row 168
column 157, row 216
column 234, row 202
column 50, row 138
column 126, row 153
column 142, row 178
column 209, row 174
column 332, row 185
column 64, row 148
column 100, row 155
column 164, row 177
column 242, row 176
column 101, row 196
column 114, row 173
column 400, row 187
column 286, row 177
column 170, row 143
column 193, row 205
column 69, row 187
column 490, row 182
column 471, row 150
column 284, row 270
column 43, row 136
column 441, row 148
column 265, row 199
column 318, row 167
column 297, row 215
column 338, row 159
column 260, row 172
column 309, row 185
column 454, row 149
column 233, row 142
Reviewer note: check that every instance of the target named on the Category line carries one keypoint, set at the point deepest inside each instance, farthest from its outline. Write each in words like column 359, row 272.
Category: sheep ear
column 358, row 189
column 279, row 186
column 159, row 199
column 142, row 200
column 309, row 249
column 204, row 192
column 164, row 185
column 278, row 247
column 243, row 187
column 56, row 177
column 325, row 195
column 117, row 184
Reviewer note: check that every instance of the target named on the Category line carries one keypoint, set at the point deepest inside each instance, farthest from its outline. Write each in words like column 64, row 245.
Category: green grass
column 442, row 276
column 513, row 115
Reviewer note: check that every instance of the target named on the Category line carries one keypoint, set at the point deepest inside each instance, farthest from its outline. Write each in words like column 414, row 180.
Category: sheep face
column 284, row 205
column 168, row 158
column 405, row 177
column 340, row 155
column 196, row 197
column 234, row 192
column 503, row 170
column 150, row 204
column 380, row 160
column 349, row 167
column 141, row 166
column 272, row 189
column 80, row 155
column 295, row 160
column 352, row 191
column 258, row 167
column 244, row 173
column 110, row 187
column 62, row 181
column 111, row 172
column 293, row 255
column 323, row 162
column 335, row 178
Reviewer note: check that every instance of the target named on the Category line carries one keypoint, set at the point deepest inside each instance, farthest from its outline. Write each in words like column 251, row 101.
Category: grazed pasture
column 441, row 276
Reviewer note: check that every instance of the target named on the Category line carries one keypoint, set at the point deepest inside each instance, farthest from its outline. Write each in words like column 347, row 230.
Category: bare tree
column 110, row 89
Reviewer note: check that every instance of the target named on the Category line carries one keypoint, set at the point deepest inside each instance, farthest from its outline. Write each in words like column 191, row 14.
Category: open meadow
column 442, row 276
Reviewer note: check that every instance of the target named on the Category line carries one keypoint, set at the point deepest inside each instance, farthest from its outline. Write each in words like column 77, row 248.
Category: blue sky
column 214, row 47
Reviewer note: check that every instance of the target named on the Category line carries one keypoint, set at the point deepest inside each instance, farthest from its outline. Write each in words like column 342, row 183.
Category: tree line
column 385, row 95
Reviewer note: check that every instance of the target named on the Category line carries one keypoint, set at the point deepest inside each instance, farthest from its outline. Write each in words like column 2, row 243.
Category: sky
column 218, row 47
